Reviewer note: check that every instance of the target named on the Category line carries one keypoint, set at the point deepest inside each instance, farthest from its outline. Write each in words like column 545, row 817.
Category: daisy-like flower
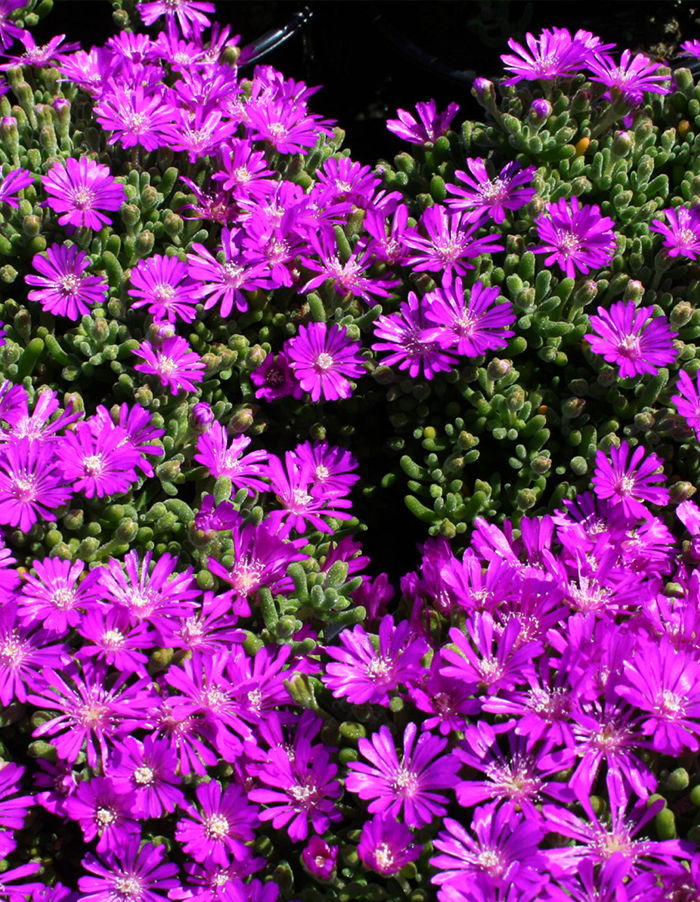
column 21, row 890
column 8, row 29
column 23, row 650
column 554, row 54
column 103, row 813
column 408, row 786
column 386, row 846
column 682, row 234
column 31, row 485
column 174, row 363
column 55, row 597
column 244, row 170
column 12, row 184
column 341, row 178
column 40, row 55
column 631, row 79
column 633, row 338
column 690, row 48
column 295, row 489
column 80, row 189
column 245, row 471
column 134, row 116
column 146, row 772
column 323, row 359
column 98, row 465
column 575, row 236
column 688, row 400
column 471, row 328
column 162, row 284
column 129, row 873
column 406, row 337
column 109, row 636
column 12, row 810
column 287, row 127
column 449, row 242
column 226, row 821
column 319, row 859
column 629, row 482
column 330, row 466
column 486, row 196
column 274, row 379
column 363, row 673
column 432, row 125
column 63, row 289
column 190, row 14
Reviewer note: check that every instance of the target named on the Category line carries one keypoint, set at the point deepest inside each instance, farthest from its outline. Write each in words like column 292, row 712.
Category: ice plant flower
column 406, row 337
column 189, row 14
column 12, row 184
column 163, row 286
column 294, row 486
column 575, row 236
column 31, row 485
column 225, row 822
column 129, row 873
column 468, row 327
column 432, row 125
column 174, row 362
column 9, row 31
column 146, row 772
column 449, row 242
column 486, row 196
column 80, row 190
column 682, row 234
column 97, row 465
column 633, row 338
column 55, row 595
column 554, row 54
column 245, row 471
column 407, row 787
column 688, row 400
column 103, row 813
column 62, row 288
column 319, row 858
column 631, row 79
column 324, row 359
column 365, row 674
column 134, row 116
column 386, row 846
column 629, row 481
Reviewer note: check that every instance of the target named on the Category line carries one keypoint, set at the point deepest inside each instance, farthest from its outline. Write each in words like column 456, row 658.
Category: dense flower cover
column 207, row 690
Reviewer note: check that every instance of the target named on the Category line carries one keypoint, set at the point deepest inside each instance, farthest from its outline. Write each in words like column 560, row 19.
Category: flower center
column 69, row 285
column 93, row 466
column 105, row 816
column 405, row 782
column 113, row 640
column 163, row 292
column 24, row 487
column 131, row 887
column 569, row 244
column 380, row 669
column 143, row 775
column 384, row 856
column 216, row 826
column 625, row 485
column 324, row 361
column 63, row 598
column 83, row 198
column 670, row 704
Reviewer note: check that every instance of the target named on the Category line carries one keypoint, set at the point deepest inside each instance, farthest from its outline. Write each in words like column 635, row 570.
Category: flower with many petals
column 80, row 190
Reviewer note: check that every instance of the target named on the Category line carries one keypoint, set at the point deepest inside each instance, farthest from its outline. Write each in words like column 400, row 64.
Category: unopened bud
column 634, row 291
column 497, row 368
column 202, row 416
column 485, row 92
column 621, row 146
column 681, row 314
column 541, row 109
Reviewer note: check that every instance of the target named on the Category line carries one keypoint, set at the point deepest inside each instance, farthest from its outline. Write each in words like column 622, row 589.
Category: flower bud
column 130, row 214
column 144, row 243
column 173, row 224
column 241, row 421
column 31, row 226
column 526, row 499
column 621, row 146
column 681, row 491
column 485, row 92
column 585, row 293
column 126, row 531
column 202, row 416
column 634, row 291
column 681, row 314
column 319, row 859
column 677, row 780
column 497, row 368
column 540, row 109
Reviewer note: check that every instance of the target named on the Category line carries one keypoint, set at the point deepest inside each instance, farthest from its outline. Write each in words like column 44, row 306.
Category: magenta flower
column 319, row 859
column 688, row 400
column 687, row 48
column 8, row 29
column 386, row 845
column 40, row 55
column 341, row 178
column 486, row 196
column 225, row 822
column 214, row 453
column 110, row 637
column 102, row 812
column 14, row 181
column 134, row 116
column 287, row 127
column 97, row 465
column 575, row 236
column 633, row 338
column 274, row 379
column 162, row 284
column 449, row 242
column 31, row 485
column 23, row 650
column 12, row 810
column 146, row 772
column 198, row 135
column 629, row 484
column 631, row 79
column 224, row 283
column 55, row 597
column 175, row 363
column 363, row 673
column 469, row 329
column 405, row 787
column 330, row 466
column 323, row 359
column 189, row 14
column 407, row 339
column 81, row 188
column 129, row 873
column 554, row 54
column 20, row 891
column 302, row 501
column 432, row 125
column 682, row 234
column 244, row 170
column 64, row 290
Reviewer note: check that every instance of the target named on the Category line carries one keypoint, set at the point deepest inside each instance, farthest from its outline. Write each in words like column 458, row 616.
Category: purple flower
column 632, row 338
column 189, row 13
column 102, row 812
column 386, row 846
column 364, row 673
column 79, row 189
column 30, row 484
column 146, row 772
column 469, row 329
column 687, row 48
column 136, row 422
column 198, row 135
column 55, row 597
column 432, row 124
column 319, row 859
column 447, row 701
column 631, row 79
column 40, row 55
column 408, row 786
column 275, row 379
column 129, row 873
column 64, row 290
column 575, row 236
column 554, row 54
column 146, row 593
column 214, row 453
column 23, row 649
column 688, row 401
column 486, row 196
column 8, row 29
column 15, row 180
column 113, row 639
column 134, row 116
column 629, row 484
column 224, row 283
column 174, row 363
column 294, row 487
column 162, row 284
column 287, row 127
column 341, row 178
column 448, row 243
column 19, row 892
column 330, row 466
column 225, row 822
column 324, row 359
column 12, row 810
column 682, row 234
column 244, row 170
column 97, row 465
column 406, row 338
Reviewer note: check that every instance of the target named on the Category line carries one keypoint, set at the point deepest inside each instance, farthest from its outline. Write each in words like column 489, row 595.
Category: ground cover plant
column 233, row 356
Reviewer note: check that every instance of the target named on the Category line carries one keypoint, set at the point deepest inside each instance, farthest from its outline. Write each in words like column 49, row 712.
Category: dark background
column 375, row 57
